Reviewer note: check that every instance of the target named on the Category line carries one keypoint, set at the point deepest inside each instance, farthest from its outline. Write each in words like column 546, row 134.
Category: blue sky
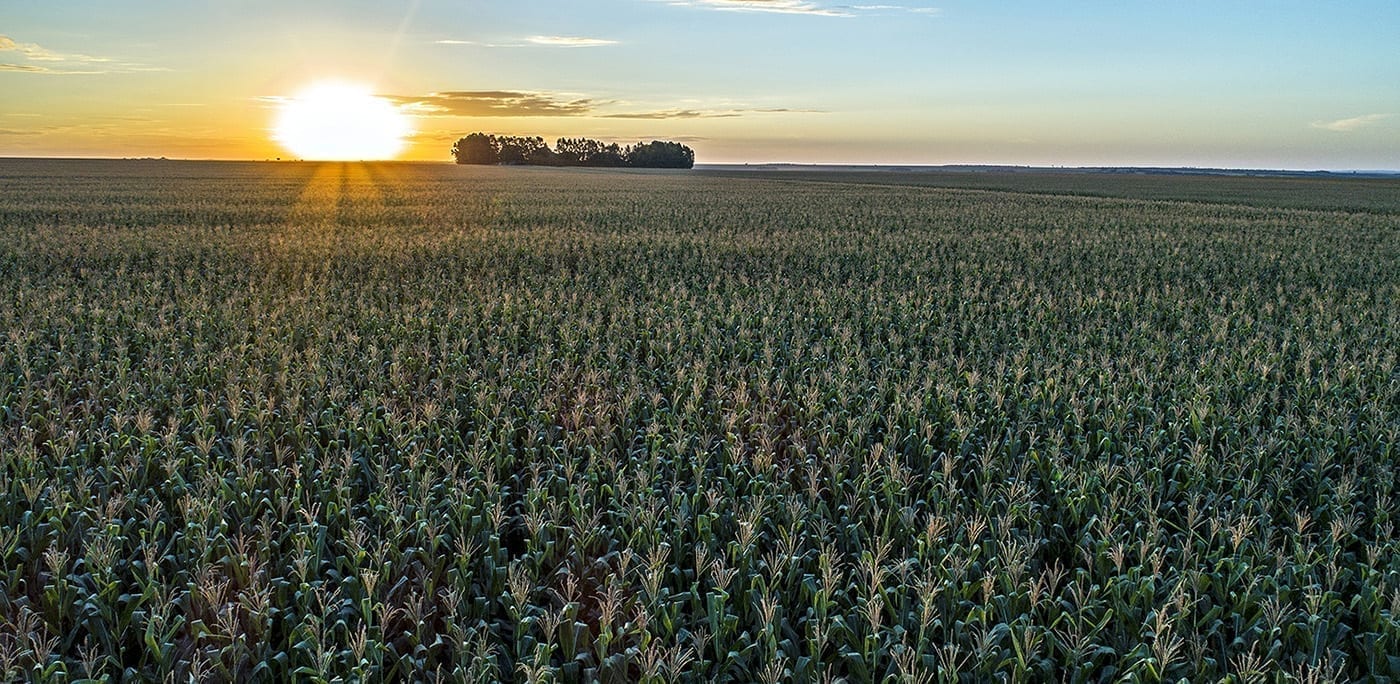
column 1243, row 84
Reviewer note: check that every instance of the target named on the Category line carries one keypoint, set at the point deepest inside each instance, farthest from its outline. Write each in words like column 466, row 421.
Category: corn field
column 361, row 423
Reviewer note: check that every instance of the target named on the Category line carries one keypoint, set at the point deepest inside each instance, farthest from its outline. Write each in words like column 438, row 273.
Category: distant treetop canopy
column 480, row 148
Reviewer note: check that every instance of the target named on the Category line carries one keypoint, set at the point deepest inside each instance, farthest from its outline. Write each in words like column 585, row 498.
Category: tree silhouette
column 481, row 148
column 524, row 151
column 661, row 155
column 477, row 148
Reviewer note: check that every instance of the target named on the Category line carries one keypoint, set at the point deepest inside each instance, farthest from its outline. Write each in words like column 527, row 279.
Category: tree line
column 481, row 148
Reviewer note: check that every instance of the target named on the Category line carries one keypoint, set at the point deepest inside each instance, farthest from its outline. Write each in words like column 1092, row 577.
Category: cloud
column 675, row 138
column 52, row 62
column 434, row 136
column 1352, row 124
column 494, row 103
column 35, row 53
column 517, row 103
column 569, row 41
column 800, row 7
column 776, row 6
column 931, row 11
column 671, row 114
column 36, row 69
column 475, row 43
column 702, row 113
column 536, row 41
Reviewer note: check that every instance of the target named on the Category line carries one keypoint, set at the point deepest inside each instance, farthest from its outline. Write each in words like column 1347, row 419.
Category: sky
column 1243, row 84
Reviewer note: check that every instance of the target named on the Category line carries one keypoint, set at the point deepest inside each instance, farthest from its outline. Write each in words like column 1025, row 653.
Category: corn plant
column 382, row 422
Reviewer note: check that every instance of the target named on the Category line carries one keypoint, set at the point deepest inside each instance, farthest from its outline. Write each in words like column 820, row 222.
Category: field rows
column 398, row 422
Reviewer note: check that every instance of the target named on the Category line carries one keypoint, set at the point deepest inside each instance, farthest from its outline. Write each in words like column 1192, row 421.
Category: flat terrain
column 1325, row 192
column 406, row 422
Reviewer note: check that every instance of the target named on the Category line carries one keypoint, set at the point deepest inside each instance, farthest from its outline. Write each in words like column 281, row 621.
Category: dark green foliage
column 586, row 152
column 477, row 148
column 525, row 150
column 406, row 422
column 480, row 148
column 660, row 155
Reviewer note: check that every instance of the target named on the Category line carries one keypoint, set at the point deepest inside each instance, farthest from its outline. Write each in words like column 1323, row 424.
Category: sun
column 338, row 121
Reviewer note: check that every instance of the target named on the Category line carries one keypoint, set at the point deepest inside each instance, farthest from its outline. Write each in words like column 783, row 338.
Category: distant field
column 1379, row 195
column 409, row 422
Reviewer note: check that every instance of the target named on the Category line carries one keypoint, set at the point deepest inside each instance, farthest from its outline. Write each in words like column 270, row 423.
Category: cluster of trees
column 481, row 148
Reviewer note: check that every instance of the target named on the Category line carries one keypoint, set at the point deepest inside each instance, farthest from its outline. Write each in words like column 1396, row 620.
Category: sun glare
column 335, row 121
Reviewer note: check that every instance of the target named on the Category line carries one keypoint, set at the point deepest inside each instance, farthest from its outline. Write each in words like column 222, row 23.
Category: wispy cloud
column 569, row 41
column 800, row 7
column 36, row 59
column 494, row 103
column 676, row 138
column 536, row 41
column 22, row 67
column 514, row 103
column 775, row 6
column 929, row 11
column 671, row 114
column 36, row 53
column 1351, row 124
column 105, row 125
column 434, row 136
column 703, row 113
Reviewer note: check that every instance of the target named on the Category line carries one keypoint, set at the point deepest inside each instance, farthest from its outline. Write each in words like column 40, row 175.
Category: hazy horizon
column 1251, row 85
column 756, row 164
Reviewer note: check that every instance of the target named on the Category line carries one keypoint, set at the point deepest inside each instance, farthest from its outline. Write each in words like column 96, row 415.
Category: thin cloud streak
column 705, row 114
column 536, row 41
column 928, row 11
column 569, row 41
column 671, row 114
column 773, row 6
column 515, row 103
column 35, row 69
column 60, row 63
column 801, row 7
column 505, row 103
column 36, row 53
column 1351, row 124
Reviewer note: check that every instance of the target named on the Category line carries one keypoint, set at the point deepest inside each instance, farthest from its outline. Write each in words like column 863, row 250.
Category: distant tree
column 480, row 148
column 658, row 154
column 477, row 148
column 564, row 155
column 523, row 150
column 578, row 151
column 592, row 152
column 541, row 155
column 610, row 154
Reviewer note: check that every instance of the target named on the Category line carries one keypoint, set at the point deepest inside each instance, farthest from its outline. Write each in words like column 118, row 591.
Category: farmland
column 425, row 422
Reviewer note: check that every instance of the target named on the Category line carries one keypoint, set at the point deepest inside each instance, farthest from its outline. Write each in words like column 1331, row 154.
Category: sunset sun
column 336, row 121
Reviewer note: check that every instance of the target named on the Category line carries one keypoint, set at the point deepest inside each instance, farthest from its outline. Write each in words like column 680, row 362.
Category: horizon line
column 698, row 163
